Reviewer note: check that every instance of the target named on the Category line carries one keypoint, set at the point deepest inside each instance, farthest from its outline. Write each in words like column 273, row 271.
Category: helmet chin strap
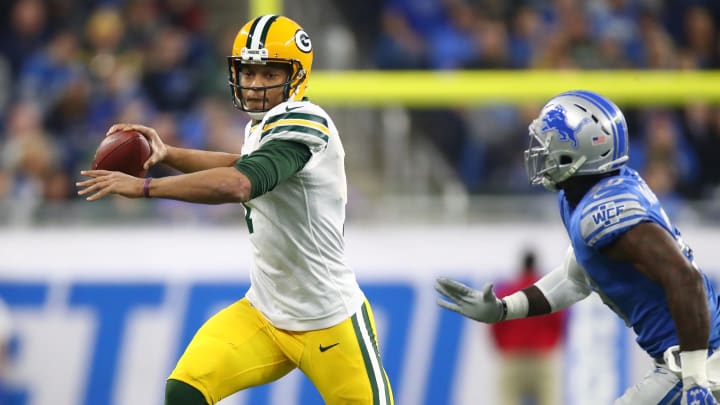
column 256, row 116
column 551, row 184
column 259, row 115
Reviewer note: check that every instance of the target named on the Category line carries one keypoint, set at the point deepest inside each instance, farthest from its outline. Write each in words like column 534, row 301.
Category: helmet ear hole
column 565, row 160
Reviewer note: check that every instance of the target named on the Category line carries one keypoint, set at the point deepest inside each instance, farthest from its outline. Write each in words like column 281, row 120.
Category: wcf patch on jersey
column 608, row 213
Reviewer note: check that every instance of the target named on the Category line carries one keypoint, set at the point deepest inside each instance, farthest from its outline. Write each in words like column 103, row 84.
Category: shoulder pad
column 609, row 211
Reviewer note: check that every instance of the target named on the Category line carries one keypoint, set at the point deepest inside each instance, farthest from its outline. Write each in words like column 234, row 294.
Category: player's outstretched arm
column 195, row 160
column 657, row 255
column 484, row 306
column 213, row 186
column 562, row 287
column 252, row 176
column 182, row 159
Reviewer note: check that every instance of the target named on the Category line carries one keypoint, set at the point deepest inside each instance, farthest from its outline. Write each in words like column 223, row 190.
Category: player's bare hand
column 102, row 183
column 157, row 146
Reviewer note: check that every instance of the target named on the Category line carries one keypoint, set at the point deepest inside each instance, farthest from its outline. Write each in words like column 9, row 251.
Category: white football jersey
column 299, row 278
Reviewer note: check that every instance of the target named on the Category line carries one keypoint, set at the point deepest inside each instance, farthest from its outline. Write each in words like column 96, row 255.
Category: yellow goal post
column 369, row 88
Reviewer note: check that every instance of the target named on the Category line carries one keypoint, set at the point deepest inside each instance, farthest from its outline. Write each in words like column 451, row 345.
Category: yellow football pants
column 238, row 348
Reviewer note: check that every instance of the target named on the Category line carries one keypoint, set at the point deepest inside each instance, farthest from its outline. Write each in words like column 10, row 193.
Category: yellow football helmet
column 271, row 39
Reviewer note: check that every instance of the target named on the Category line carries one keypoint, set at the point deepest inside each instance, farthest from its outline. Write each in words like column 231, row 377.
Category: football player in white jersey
column 623, row 246
column 304, row 308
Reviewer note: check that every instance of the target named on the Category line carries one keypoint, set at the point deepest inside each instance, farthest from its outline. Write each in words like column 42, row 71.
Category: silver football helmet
column 577, row 133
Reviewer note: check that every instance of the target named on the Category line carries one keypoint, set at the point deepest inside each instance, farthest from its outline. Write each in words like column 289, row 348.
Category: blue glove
column 694, row 394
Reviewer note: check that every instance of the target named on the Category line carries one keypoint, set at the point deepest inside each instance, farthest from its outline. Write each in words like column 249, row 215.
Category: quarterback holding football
column 304, row 308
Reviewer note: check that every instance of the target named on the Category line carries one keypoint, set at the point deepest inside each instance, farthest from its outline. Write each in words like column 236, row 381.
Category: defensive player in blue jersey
column 623, row 247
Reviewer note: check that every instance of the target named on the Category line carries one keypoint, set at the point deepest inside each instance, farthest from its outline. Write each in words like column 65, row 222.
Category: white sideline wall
column 73, row 346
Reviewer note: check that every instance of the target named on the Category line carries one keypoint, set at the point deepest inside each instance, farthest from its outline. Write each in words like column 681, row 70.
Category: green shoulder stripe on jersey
column 298, row 116
column 295, row 128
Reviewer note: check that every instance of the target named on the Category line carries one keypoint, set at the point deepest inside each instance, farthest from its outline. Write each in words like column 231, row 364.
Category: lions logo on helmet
column 271, row 39
column 556, row 120
column 577, row 133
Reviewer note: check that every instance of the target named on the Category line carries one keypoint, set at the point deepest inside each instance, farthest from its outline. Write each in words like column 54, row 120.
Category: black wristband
column 504, row 310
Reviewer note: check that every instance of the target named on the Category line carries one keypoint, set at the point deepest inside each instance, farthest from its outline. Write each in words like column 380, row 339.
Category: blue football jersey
column 610, row 208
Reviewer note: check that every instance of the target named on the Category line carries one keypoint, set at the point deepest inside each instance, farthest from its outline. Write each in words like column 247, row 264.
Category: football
column 123, row 151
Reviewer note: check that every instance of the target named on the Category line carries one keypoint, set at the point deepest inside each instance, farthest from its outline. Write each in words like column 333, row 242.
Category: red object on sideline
column 538, row 334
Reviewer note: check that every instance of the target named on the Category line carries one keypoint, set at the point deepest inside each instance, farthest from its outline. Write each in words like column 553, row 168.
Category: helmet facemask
column 546, row 167
column 295, row 74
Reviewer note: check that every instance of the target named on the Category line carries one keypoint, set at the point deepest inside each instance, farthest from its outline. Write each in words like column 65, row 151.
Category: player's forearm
column 213, row 186
column 524, row 303
column 538, row 304
column 689, row 310
column 193, row 160
column 688, row 307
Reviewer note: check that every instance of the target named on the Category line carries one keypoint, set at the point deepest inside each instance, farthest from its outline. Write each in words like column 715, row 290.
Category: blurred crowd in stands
column 70, row 68
column 675, row 148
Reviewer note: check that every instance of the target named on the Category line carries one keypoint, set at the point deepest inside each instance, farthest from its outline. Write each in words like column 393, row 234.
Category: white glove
column 483, row 306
